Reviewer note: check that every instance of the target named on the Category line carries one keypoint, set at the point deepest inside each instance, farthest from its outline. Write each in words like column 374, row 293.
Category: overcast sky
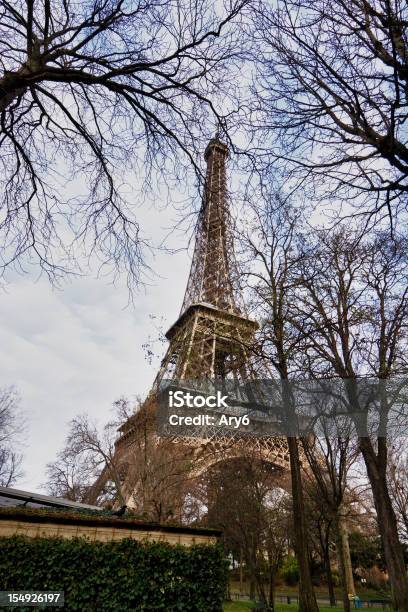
column 78, row 349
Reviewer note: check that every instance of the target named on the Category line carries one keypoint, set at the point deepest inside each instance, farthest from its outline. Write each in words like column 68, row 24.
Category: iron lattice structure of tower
column 212, row 335
column 211, row 339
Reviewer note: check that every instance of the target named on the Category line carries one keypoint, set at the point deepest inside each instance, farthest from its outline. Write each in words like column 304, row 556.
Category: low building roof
column 10, row 497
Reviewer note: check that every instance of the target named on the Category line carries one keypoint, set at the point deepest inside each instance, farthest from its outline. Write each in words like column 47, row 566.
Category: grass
column 320, row 591
column 244, row 606
column 236, row 606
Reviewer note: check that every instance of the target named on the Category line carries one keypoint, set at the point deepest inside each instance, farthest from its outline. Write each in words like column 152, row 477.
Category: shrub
column 290, row 571
column 121, row 575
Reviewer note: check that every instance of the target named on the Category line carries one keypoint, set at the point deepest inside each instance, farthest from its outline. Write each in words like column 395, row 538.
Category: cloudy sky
column 77, row 349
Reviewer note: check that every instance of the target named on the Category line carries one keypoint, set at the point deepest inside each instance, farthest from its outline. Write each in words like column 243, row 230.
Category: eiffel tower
column 211, row 338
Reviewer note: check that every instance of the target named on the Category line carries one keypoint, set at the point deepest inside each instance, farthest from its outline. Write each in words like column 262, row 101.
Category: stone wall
column 40, row 524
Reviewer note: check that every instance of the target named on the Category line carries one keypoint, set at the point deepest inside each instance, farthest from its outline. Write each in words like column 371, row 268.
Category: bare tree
column 244, row 499
column 336, row 307
column 271, row 243
column 148, row 474
column 332, row 91
column 11, row 427
column 277, row 516
column 320, row 524
column 329, row 459
column 352, row 311
column 67, row 477
column 86, row 454
column 88, row 90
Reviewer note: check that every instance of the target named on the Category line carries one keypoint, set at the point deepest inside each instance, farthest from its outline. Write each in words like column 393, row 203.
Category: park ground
column 284, row 591
column 245, row 606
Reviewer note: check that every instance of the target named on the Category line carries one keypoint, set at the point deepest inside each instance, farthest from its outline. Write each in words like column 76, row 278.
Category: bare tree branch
column 12, row 426
column 93, row 91
column 331, row 91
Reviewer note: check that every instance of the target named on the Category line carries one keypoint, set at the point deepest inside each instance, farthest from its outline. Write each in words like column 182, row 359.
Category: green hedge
column 122, row 575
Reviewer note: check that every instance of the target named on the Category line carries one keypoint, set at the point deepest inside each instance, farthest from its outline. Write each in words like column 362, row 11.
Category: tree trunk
column 252, row 586
column 241, row 580
column 307, row 599
column 272, row 589
column 260, row 587
column 348, row 569
column 387, row 522
column 329, row 574
column 228, row 591
column 342, row 564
